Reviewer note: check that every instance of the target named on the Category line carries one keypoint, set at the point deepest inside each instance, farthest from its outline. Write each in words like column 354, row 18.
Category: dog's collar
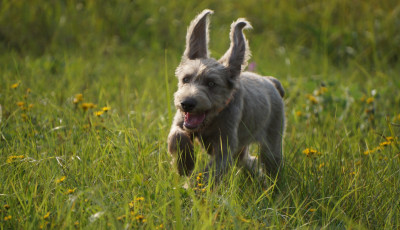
column 226, row 102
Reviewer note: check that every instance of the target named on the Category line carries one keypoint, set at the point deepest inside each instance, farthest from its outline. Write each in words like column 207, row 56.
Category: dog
column 225, row 108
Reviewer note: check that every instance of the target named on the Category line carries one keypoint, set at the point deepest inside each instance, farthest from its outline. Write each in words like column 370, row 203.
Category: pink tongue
column 193, row 120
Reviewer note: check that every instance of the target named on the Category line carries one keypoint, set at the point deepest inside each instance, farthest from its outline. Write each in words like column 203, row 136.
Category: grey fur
column 224, row 108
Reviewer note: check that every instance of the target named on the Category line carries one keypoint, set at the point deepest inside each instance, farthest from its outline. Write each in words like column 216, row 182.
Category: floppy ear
column 197, row 37
column 235, row 59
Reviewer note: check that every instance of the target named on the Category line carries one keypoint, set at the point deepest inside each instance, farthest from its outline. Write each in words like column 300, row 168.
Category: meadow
column 86, row 91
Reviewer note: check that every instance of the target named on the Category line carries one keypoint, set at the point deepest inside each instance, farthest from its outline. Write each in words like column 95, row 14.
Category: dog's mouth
column 193, row 120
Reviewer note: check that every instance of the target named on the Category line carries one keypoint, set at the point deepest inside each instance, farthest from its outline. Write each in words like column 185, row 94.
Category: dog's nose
column 188, row 104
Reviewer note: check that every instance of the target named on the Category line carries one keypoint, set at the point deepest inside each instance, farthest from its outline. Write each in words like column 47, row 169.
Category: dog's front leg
column 180, row 146
column 223, row 158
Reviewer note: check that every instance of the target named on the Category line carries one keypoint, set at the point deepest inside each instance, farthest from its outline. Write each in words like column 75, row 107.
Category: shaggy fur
column 224, row 108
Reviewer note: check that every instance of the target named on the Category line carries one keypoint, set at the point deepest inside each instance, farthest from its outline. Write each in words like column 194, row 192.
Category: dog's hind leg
column 250, row 163
column 271, row 148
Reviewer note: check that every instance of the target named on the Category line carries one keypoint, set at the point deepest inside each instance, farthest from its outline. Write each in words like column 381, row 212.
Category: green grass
column 116, row 168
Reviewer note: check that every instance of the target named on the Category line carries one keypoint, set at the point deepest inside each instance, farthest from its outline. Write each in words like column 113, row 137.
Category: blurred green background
column 365, row 31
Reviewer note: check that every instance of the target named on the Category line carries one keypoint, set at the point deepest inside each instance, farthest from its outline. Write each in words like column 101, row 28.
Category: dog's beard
column 194, row 120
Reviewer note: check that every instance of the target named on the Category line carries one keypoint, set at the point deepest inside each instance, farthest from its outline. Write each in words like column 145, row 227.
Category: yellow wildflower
column 12, row 158
column 121, row 217
column 46, row 216
column 106, row 108
column 321, row 165
column 78, row 98
column 310, row 152
column 21, row 104
column 98, row 113
column 9, row 217
column 312, row 209
column 140, row 218
column 161, row 226
column 323, row 89
column 385, row 143
column 312, row 99
column 76, row 223
column 389, row 138
column 15, row 85
column 70, row 191
column 367, row 152
column 88, row 105
column 140, row 198
column 60, row 180
column 6, row 206
column 299, row 113
column 370, row 100
column 362, row 99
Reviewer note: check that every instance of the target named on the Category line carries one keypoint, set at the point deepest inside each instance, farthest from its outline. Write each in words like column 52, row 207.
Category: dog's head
column 207, row 85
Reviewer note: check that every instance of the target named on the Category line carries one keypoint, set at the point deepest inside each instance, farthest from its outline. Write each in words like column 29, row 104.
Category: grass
column 63, row 166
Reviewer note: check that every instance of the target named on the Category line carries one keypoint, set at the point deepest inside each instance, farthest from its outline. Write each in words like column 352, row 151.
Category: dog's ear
column 197, row 37
column 235, row 59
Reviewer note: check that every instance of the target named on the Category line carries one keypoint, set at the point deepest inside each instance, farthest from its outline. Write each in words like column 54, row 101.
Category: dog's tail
column 278, row 86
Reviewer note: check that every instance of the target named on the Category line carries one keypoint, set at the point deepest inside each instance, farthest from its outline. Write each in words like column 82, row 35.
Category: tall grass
column 64, row 164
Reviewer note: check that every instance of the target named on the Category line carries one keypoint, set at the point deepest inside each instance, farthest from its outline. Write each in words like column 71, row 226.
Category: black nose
column 188, row 104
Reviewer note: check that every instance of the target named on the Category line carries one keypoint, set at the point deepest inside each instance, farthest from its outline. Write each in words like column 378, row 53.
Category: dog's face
column 206, row 85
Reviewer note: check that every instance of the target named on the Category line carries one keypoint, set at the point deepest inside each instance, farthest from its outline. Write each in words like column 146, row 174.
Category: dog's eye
column 211, row 84
column 186, row 80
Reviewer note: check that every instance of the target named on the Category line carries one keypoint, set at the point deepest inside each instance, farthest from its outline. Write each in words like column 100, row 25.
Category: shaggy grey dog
column 224, row 108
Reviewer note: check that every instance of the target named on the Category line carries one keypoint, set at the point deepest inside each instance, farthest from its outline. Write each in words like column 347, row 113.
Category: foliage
column 85, row 108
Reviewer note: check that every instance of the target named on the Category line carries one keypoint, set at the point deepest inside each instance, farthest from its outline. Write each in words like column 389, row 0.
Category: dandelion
column 389, row 138
column 203, row 190
column 121, row 217
column 385, row 143
column 140, row 218
column 310, row 152
column 78, row 98
column 61, row 179
column 106, row 108
column 12, row 158
column 88, row 105
column 30, row 106
column 70, row 191
column 323, row 89
column 21, row 104
column 299, row 113
column 367, row 152
column 15, row 85
column 161, row 226
column 9, row 217
column 370, row 100
column 139, row 198
column 312, row 99
column 46, row 216
column 131, row 204
column 98, row 113
column 6, row 206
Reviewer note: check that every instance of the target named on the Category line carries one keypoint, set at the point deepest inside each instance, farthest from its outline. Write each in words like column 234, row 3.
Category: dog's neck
column 227, row 102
